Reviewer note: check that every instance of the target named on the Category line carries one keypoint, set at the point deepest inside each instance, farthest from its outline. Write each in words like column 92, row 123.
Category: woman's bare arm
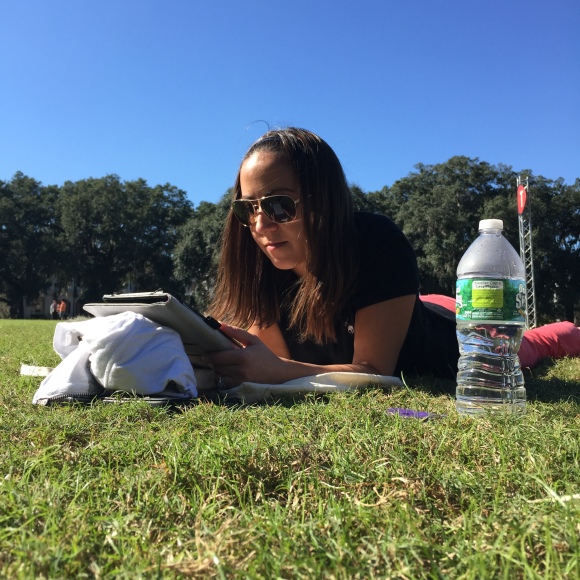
column 380, row 331
column 272, row 338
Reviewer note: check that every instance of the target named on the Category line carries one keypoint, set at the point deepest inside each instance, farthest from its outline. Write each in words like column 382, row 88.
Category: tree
column 121, row 233
column 197, row 252
column 28, row 240
column 382, row 202
column 439, row 208
column 160, row 213
column 555, row 209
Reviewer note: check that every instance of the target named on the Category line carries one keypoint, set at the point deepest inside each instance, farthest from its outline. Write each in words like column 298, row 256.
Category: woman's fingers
column 256, row 362
column 240, row 335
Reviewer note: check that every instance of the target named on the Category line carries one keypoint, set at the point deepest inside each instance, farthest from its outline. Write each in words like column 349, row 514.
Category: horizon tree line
column 106, row 233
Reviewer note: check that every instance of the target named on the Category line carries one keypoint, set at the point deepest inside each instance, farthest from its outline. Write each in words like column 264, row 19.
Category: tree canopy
column 103, row 233
column 197, row 251
column 109, row 235
column 121, row 233
column 439, row 208
column 28, row 240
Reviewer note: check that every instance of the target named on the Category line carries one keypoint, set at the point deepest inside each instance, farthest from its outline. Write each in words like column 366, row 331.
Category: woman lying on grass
column 319, row 287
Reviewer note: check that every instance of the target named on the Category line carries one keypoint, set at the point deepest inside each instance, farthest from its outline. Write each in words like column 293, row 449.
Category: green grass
column 330, row 487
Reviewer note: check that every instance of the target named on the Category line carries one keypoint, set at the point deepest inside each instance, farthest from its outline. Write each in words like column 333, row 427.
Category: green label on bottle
column 490, row 299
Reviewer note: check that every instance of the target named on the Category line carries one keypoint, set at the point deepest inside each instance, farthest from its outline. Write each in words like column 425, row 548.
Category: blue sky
column 174, row 91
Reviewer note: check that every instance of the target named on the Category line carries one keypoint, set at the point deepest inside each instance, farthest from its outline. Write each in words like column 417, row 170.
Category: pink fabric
column 445, row 301
column 552, row 340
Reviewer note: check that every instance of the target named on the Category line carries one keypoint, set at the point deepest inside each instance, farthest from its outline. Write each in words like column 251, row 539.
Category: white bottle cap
column 491, row 225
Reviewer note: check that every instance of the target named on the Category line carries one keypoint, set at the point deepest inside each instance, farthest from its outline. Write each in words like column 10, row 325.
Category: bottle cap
column 491, row 225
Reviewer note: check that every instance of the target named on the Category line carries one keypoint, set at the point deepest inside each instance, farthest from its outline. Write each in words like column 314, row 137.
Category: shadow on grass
column 546, row 388
column 540, row 385
column 281, row 400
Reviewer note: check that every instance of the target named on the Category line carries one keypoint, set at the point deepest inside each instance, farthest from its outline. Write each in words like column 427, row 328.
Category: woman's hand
column 255, row 362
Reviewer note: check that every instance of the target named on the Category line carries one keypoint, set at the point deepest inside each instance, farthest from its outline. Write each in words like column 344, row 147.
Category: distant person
column 54, row 314
column 321, row 288
column 63, row 309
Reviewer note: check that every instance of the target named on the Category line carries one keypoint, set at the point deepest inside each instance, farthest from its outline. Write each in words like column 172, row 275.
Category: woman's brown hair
column 247, row 286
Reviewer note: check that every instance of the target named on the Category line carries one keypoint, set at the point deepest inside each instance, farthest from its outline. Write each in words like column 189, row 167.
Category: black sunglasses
column 281, row 209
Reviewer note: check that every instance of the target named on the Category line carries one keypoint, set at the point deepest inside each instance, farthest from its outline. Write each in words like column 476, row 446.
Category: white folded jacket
column 125, row 352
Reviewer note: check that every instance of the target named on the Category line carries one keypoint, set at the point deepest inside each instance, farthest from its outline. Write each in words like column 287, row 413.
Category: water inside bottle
column 489, row 375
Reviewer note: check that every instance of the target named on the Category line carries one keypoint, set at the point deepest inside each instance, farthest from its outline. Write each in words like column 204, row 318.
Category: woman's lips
column 271, row 246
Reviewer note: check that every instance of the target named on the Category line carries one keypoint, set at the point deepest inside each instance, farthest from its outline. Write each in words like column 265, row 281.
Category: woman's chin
column 299, row 268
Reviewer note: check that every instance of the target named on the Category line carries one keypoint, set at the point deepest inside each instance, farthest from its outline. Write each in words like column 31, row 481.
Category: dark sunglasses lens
column 243, row 210
column 279, row 208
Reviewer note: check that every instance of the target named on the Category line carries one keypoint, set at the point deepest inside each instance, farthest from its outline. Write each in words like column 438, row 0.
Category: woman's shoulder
column 370, row 226
column 387, row 263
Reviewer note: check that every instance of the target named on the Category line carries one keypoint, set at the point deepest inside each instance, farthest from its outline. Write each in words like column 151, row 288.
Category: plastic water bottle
column 490, row 314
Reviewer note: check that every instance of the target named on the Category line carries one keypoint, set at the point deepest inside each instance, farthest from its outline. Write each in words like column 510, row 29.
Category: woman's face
column 263, row 174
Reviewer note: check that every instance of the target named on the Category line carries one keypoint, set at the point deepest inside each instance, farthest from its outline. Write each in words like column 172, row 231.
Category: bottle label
column 490, row 299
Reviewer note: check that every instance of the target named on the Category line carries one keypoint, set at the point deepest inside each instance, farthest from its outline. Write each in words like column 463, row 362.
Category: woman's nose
column 263, row 223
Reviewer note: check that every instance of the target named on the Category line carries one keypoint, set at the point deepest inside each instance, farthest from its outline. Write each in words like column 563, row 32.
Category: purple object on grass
column 411, row 413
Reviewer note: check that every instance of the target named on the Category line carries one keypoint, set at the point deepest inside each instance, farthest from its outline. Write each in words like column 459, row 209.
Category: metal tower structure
column 526, row 254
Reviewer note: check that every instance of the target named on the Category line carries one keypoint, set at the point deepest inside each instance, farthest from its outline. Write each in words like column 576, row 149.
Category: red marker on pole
column 521, row 199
